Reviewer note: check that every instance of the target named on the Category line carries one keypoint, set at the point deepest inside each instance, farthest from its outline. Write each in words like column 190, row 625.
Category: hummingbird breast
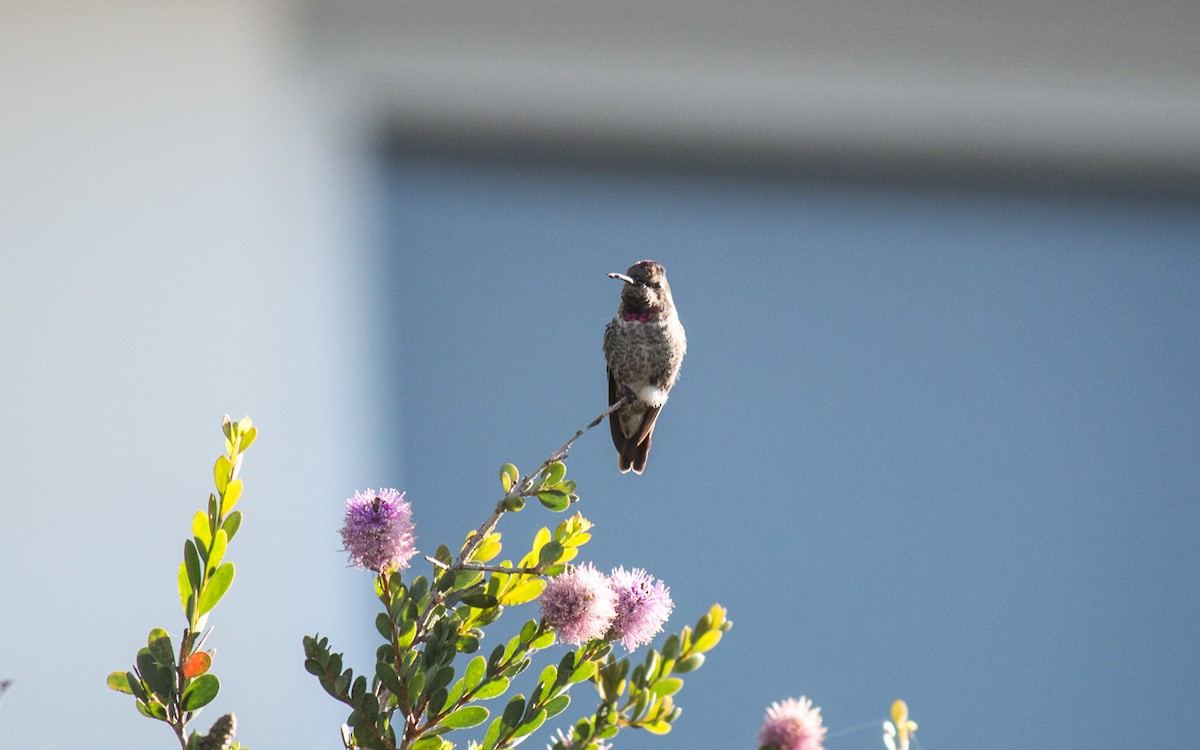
column 644, row 357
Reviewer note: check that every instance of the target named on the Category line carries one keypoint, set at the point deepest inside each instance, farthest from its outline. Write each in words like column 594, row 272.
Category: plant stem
column 520, row 488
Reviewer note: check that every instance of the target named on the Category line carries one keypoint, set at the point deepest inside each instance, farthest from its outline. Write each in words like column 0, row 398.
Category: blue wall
column 931, row 444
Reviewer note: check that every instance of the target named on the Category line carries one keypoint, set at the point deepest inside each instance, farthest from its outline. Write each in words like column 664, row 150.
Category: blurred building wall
column 177, row 241
column 182, row 214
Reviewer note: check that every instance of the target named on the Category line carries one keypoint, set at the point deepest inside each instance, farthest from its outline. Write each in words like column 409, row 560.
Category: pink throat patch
column 636, row 317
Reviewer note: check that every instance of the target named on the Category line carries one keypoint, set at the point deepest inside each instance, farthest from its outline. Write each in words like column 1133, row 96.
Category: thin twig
column 562, row 452
column 522, row 486
column 536, row 570
column 519, row 488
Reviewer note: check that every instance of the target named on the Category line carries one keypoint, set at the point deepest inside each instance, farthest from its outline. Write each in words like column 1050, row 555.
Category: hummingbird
column 643, row 348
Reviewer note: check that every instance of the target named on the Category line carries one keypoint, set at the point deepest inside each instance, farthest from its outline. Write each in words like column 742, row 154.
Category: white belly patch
column 652, row 395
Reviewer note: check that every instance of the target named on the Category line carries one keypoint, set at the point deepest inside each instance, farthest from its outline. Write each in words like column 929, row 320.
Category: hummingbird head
column 646, row 291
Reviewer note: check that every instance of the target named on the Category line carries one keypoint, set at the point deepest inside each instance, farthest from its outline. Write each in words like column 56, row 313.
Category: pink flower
column 579, row 604
column 792, row 725
column 378, row 530
column 643, row 605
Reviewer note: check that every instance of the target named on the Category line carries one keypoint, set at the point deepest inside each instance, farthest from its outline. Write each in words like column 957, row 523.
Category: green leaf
column 185, row 585
column 418, row 589
column 583, row 729
column 453, row 697
column 221, row 474
column 508, row 476
column 468, row 644
column 557, row 705
column 493, row 735
column 232, row 523
column 248, row 439
column 513, row 711
column 550, row 552
column 555, row 500
column 429, row 743
column 466, row 717
column 201, row 692
column 517, row 667
column 480, row 601
column 689, row 664
column 439, row 703
column 667, row 686
column 706, row 641
column 547, row 680
column 232, row 493
column 583, row 672
column 443, row 555
column 514, row 503
column 156, row 676
column 474, row 673
column 191, row 558
column 555, row 473
column 407, row 634
column 656, row 727
column 532, row 725
column 416, row 684
column 441, row 679
column 219, row 543
column 491, row 689
column 487, row 549
column 135, row 685
column 200, row 527
column 153, row 709
column 215, row 588
column 369, row 705
column 498, row 654
column 525, row 592
column 670, row 649
column 387, row 677
column 159, row 643
column 119, row 681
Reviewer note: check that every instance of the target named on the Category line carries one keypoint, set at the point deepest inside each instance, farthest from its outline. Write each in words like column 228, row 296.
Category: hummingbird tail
column 633, row 456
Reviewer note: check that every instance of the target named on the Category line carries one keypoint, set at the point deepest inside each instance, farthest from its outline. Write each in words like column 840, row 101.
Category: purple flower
column 378, row 531
column 579, row 604
column 792, row 725
column 643, row 605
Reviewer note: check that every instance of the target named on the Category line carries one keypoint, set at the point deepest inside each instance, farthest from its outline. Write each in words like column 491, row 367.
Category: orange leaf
column 196, row 665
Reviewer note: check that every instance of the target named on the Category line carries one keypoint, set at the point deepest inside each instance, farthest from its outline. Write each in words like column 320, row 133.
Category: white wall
column 176, row 242
column 1035, row 87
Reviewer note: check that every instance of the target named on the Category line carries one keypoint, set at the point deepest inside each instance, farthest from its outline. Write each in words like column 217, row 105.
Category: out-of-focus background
column 939, row 265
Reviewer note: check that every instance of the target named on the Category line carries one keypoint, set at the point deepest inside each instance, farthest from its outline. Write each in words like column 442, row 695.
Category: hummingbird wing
column 632, row 426
column 646, row 428
column 637, row 448
column 614, row 421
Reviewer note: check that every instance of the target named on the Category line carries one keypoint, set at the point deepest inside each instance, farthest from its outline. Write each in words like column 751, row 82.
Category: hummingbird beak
column 622, row 277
